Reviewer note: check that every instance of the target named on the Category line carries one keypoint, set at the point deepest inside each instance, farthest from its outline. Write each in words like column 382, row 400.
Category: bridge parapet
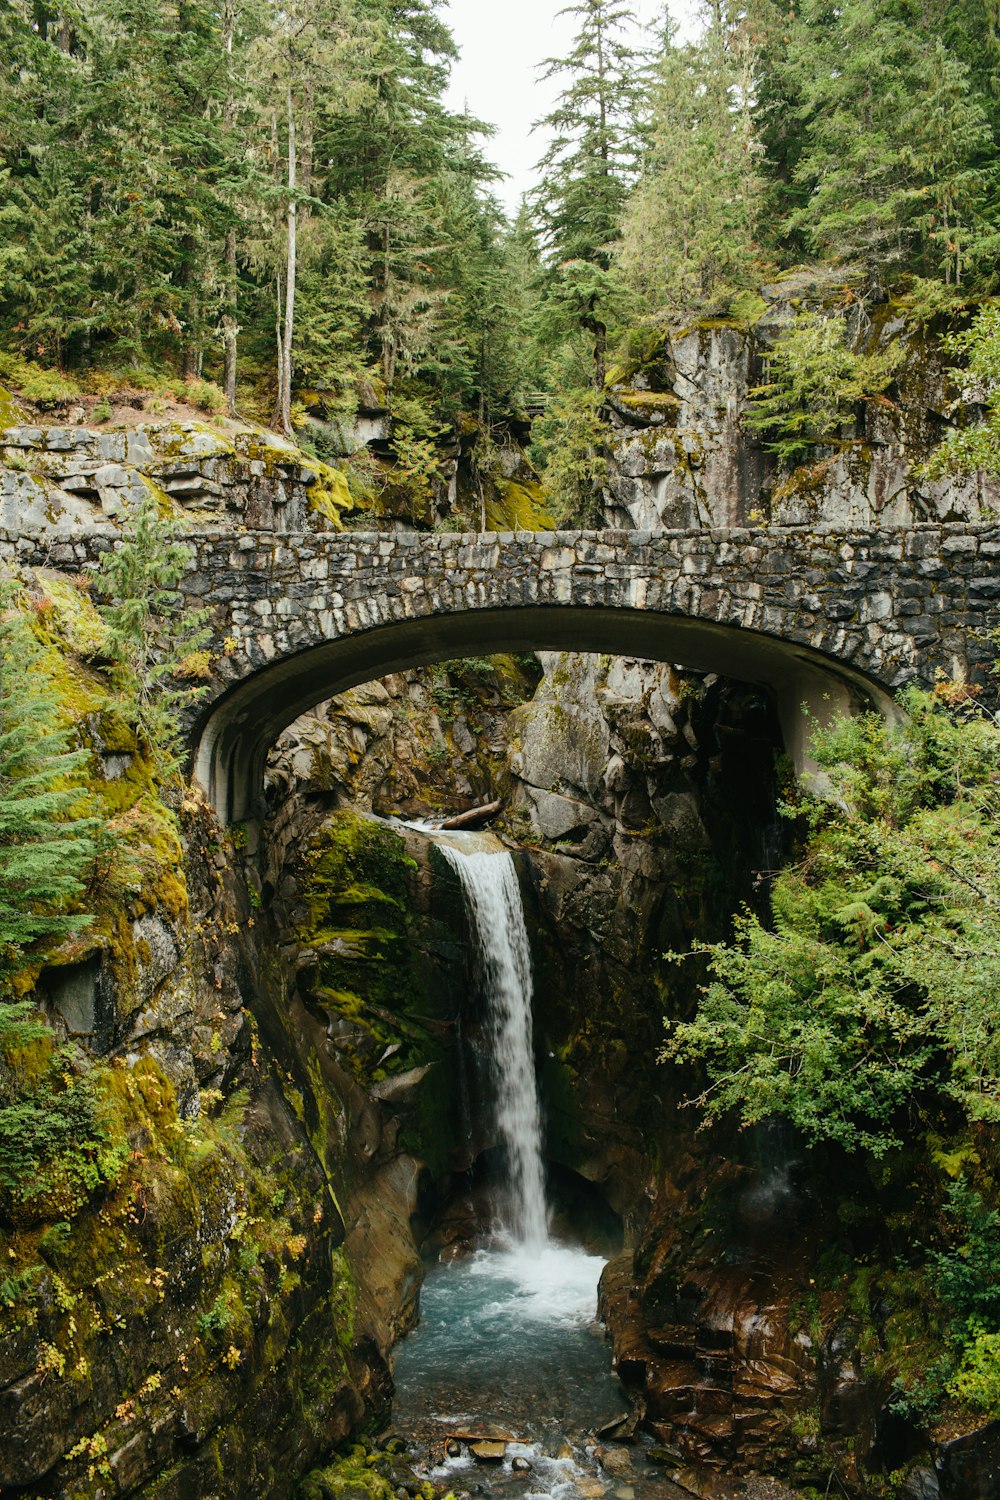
column 816, row 616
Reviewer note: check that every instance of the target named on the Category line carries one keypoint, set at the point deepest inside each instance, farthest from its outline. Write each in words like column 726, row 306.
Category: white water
column 493, row 900
column 507, row 1340
column 507, row 1337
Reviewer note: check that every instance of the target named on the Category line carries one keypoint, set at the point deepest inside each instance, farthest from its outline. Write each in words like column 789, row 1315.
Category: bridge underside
column 235, row 734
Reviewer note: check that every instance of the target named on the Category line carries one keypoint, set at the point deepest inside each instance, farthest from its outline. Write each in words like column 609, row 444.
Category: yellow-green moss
column 10, row 413
column 351, row 1475
column 330, row 494
column 648, row 401
column 518, row 505
column 72, row 615
column 173, row 439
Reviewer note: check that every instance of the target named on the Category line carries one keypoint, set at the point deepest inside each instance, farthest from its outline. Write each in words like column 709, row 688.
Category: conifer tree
column 588, row 170
column 153, row 643
column 689, row 237
column 47, row 824
column 890, row 137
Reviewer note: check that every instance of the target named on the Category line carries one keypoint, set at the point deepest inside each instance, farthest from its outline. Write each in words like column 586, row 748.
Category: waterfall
column 493, row 900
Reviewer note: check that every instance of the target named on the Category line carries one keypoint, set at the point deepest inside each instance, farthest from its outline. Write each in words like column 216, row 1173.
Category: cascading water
column 507, row 1340
column 493, row 900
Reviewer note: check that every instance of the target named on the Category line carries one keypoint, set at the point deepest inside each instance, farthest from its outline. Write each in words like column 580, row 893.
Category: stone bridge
column 828, row 619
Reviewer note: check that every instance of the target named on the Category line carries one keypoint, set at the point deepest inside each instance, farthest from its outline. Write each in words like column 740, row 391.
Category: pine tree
column 689, row 237
column 47, row 824
column 890, row 137
column 588, row 170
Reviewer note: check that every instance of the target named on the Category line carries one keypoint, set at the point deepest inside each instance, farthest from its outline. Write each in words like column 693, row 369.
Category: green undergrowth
column 373, row 971
column 366, row 1473
column 138, row 866
column 47, row 386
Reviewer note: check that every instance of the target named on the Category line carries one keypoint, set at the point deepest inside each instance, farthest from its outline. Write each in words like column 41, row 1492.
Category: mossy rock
column 11, row 413
column 330, row 495
column 355, row 1476
column 73, row 617
column 188, row 440
column 650, row 403
column 518, row 505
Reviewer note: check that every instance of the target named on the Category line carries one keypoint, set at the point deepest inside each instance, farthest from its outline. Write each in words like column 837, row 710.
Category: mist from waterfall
column 503, row 961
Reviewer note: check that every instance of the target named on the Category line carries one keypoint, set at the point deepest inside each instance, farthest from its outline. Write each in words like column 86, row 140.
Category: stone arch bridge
column 827, row 618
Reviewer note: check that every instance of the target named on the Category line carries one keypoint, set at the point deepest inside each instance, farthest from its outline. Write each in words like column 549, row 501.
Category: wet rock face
column 206, row 1313
column 644, row 804
column 734, row 1356
column 55, row 481
column 412, row 744
column 681, row 456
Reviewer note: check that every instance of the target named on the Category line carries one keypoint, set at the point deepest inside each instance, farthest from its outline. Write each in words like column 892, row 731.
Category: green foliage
column 153, row 644
column 964, row 1280
column 871, row 998
column 587, row 171
column 47, row 821
column 966, row 1276
column 977, row 1382
column 814, row 382
column 570, row 448
column 879, row 147
column 689, row 233
column 57, row 1147
column 42, row 386
column 420, row 463
column 977, row 446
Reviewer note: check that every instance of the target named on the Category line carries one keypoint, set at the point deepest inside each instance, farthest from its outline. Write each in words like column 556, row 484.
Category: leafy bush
column 44, row 387
column 815, row 380
column 966, row 1276
column 876, row 990
column 977, row 1382
column 975, row 447
column 206, row 394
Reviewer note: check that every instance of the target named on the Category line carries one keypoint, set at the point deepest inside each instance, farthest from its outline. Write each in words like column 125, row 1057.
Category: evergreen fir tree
column 47, row 824
column 890, row 137
column 588, row 170
column 154, row 645
column 689, row 237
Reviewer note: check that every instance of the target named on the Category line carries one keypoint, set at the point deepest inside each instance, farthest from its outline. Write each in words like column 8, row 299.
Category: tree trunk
column 593, row 325
column 229, row 325
column 285, row 374
column 279, row 399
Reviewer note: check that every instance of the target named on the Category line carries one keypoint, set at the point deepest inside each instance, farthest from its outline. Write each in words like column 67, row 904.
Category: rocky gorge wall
column 683, row 456
column 279, row 1041
column 209, row 1193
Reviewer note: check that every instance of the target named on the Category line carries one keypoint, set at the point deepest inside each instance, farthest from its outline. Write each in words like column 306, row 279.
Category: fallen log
column 473, row 818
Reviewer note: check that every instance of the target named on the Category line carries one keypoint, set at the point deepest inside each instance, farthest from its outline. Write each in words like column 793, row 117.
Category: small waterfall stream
column 503, row 959
column 507, row 1341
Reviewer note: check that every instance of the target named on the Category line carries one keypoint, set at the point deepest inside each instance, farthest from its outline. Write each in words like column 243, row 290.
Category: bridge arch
column 832, row 620
column 234, row 738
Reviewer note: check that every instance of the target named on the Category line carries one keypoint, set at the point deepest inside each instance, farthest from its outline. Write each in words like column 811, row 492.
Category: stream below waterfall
column 508, row 1346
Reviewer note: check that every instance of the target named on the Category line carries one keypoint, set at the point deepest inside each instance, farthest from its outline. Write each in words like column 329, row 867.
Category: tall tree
column 689, row 237
column 589, row 168
column 890, row 137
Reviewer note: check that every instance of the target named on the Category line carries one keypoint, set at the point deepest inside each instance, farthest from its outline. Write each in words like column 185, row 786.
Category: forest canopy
column 278, row 200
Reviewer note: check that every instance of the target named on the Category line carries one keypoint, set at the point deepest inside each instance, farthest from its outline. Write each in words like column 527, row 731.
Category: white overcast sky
column 501, row 44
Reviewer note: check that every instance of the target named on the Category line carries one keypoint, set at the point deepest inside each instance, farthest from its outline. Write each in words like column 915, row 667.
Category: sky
column 501, row 44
